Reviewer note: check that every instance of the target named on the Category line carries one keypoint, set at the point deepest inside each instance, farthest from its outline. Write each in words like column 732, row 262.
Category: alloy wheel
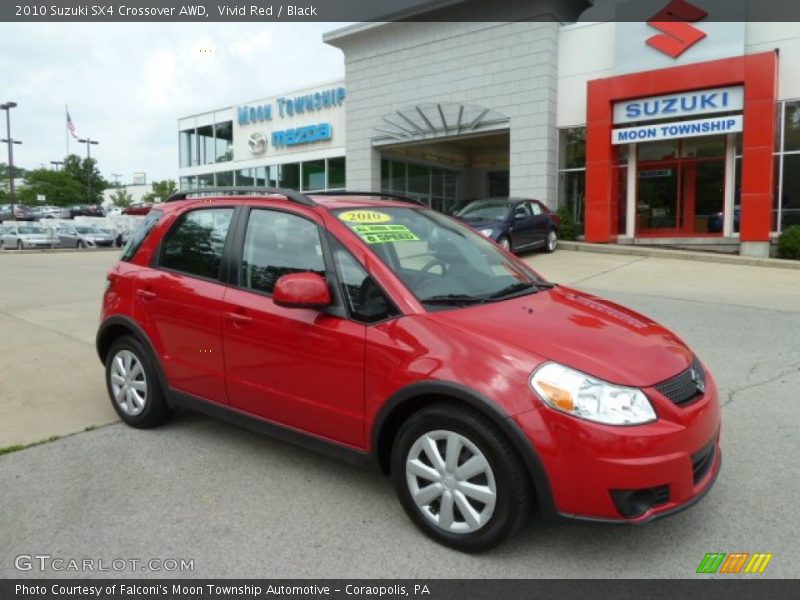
column 451, row 481
column 128, row 382
column 552, row 241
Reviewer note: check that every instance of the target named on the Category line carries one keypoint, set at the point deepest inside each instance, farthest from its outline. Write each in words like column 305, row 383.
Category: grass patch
column 18, row 447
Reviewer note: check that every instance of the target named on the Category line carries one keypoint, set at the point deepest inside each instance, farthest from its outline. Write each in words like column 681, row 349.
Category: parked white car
column 27, row 236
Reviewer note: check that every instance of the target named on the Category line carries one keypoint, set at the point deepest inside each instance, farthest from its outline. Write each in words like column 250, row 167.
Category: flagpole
column 66, row 129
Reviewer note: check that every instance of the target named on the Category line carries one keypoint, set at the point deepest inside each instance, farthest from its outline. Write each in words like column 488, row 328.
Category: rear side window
column 138, row 236
column 195, row 243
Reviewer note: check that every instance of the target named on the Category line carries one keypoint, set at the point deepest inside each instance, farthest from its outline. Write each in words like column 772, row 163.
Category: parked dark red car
column 379, row 330
column 137, row 209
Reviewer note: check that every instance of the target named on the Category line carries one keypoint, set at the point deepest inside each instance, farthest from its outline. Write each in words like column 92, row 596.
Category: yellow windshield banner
column 364, row 216
column 382, row 234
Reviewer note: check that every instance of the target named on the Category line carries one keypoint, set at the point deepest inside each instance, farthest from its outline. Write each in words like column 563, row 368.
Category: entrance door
column 681, row 187
column 497, row 182
column 657, row 208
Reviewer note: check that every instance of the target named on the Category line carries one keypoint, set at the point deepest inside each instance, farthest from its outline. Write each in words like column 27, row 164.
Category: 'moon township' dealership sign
column 284, row 107
column 679, row 106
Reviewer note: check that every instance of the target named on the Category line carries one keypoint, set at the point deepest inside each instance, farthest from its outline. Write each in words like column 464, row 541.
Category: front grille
column 702, row 461
column 661, row 495
column 685, row 386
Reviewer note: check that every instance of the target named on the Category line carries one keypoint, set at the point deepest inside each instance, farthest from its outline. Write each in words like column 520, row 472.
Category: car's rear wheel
column 133, row 385
column 458, row 478
column 551, row 242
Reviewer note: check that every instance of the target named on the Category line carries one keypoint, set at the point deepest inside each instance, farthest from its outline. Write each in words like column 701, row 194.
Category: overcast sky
column 127, row 84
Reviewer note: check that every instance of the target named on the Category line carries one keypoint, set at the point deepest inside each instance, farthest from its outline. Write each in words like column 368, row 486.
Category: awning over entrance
column 425, row 122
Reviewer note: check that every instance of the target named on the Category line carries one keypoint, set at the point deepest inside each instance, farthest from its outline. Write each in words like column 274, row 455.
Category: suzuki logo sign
column 677, row 35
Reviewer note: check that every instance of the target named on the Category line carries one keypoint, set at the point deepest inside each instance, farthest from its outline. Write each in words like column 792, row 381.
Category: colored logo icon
column 677, row 35
column 734, row 563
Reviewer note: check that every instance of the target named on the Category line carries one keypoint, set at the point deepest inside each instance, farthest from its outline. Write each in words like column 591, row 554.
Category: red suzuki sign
column 677, row 35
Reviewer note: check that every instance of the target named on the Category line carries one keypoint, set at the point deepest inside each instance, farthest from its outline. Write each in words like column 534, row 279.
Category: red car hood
column 581, row 331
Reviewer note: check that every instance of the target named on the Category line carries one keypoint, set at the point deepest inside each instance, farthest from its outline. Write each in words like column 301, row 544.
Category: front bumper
column 629, row 474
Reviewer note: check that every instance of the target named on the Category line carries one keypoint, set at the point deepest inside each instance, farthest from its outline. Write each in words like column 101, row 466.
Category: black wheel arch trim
column 144, row 339
column 496, row 414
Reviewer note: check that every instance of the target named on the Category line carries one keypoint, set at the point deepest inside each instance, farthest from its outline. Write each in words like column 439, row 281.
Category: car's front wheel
column 133, row 385
column 458, row 478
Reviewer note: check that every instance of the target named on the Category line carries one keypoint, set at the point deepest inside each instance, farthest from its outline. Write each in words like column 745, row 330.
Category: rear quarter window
column 140, row 234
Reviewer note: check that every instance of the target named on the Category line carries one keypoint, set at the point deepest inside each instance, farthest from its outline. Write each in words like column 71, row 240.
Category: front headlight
column 486, row 232
column 587, row 397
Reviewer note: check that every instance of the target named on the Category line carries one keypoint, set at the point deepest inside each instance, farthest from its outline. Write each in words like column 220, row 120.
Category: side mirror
column 302, row 290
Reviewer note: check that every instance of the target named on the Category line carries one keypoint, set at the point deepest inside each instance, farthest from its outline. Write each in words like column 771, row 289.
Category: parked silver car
column 27, row 236
column 82, row 236
column 51, row 212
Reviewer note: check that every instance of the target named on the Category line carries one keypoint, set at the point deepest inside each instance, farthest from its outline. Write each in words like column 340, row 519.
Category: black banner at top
column 396, row 10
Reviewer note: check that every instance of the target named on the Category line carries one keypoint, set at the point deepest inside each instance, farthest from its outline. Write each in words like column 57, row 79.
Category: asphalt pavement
column 238, row 504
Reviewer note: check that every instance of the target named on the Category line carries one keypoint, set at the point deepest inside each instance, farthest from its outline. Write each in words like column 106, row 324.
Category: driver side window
column 365, row 300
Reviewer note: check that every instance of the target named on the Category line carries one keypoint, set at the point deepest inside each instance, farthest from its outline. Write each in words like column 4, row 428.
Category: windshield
column 32, row 230
column 485, row 211
column 442, row 262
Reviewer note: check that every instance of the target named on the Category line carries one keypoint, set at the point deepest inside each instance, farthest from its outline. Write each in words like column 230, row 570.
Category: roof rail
column 292, row 195
column 389, row 195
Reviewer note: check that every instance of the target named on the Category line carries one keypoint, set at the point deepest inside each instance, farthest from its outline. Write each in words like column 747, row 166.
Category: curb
column 726, row 259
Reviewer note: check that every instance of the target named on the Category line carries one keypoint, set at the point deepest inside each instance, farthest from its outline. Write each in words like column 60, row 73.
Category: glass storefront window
column 223, row 141
column 573, row 148
column 398, row 179
column 664, row 150
column 225, row 178
column 790, row 195
column 259, row 176
column 419, row 180
column 791, row 125
column 273, row 175
column 711, row 146
column 573, row 192
column 188, row 183
column 187, row 142
column 314, row 175
column 206, row 180
column 290, row 176
column 205, row 145
column 336, row 173
column 244, row 177
column 385, row 174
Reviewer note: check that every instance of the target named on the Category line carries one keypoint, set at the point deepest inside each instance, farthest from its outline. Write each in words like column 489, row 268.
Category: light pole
column 89, row 143
column 56, row 164
column 116, row 177
column 7, row 107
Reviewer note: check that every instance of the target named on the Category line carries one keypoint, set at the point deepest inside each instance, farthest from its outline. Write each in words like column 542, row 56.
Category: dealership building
column 648, row 134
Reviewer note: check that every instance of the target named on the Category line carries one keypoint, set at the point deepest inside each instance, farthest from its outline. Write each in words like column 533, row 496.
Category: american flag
column 71, row 126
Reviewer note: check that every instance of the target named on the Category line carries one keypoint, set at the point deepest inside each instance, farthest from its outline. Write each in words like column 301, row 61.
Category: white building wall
column 507, row 67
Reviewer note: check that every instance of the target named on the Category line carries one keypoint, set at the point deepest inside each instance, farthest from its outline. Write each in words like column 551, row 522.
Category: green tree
column 161, row 191
column 121, row 198
column 4, row 173
column 84, row 170
column 59, row 188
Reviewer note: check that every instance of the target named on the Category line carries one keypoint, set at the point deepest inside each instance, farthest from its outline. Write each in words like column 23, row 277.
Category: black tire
column 551, row 242
column 514, row 493
column 156, row 410
column 506, row 243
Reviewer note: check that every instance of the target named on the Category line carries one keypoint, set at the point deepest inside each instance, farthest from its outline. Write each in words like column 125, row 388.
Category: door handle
column 146, row 294
column 238, row 318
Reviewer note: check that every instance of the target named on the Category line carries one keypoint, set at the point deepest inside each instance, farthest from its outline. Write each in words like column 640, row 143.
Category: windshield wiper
column 453, row 299
column 520, row 289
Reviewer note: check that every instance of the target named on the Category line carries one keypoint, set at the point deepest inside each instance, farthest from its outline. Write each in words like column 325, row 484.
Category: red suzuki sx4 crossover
column 376, row 329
